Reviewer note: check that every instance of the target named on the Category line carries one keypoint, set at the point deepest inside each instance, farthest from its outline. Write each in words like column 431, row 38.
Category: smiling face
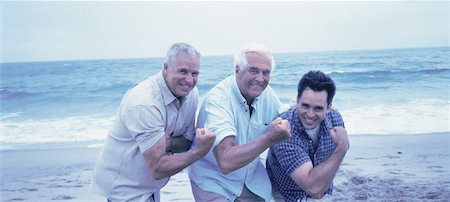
column 182, row 78
column 253, row 79
column 311, row 107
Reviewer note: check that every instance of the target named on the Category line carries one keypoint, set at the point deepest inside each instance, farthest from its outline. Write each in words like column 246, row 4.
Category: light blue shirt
column 225, row 112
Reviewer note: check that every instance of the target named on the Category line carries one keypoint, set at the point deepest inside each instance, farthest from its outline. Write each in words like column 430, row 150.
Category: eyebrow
column 308, row 105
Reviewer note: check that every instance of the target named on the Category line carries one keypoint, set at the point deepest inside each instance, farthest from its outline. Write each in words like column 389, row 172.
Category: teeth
column 309, row 120
column 185, row 86
column 255, row 86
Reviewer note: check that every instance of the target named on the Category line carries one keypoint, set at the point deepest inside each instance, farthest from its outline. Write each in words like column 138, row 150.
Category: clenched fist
column 205, row 139
column 340, row 138
column 279, row 130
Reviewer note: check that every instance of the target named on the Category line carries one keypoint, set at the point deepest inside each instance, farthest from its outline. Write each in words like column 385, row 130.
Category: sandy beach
column 376, row 168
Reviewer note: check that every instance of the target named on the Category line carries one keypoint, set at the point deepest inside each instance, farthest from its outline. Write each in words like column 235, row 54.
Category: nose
column 190, row 79
column 260, row 76
column 310, row 113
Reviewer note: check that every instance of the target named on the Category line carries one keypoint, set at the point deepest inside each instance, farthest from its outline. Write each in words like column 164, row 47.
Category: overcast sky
column 41, row 31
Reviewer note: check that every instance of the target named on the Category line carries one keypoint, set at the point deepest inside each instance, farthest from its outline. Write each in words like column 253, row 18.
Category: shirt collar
column 167, row 95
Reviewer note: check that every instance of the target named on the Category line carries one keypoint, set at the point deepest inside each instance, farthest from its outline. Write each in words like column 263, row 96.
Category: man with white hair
column 239, row 110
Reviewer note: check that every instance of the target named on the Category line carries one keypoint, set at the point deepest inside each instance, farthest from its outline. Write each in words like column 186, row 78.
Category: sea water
column 73, row 103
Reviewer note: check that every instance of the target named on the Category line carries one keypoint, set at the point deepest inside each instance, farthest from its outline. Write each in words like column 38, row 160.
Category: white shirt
column 314, row 134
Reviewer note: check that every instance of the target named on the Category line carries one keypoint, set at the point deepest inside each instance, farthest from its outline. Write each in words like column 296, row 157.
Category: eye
column 195, row 74
column 253, row 70
column 266, row 73
column 182, row 71
column 318, row 109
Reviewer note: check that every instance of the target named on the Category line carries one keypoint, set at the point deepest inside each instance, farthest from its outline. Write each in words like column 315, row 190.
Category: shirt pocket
column 184, row 129
column 259, row 128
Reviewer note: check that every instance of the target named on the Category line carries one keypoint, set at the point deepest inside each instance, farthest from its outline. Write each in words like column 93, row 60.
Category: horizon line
column 216, row 55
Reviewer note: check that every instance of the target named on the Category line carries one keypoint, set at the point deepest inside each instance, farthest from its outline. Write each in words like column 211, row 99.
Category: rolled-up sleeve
column 290, row 155
column 145, row 124
column 219, row 119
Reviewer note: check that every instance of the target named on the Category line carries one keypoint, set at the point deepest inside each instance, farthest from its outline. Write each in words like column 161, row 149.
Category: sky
column 48, row 31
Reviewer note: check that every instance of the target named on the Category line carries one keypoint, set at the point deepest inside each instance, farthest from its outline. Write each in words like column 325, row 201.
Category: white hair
column 240, row 58
column 180, row 48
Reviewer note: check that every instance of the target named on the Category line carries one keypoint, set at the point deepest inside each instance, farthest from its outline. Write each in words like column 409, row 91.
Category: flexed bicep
column 154, row 154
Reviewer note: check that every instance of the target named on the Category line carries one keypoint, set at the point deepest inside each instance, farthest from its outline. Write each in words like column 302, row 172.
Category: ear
column 330, row 106
column 298, row 98
column 237, row 69
column 165, row 69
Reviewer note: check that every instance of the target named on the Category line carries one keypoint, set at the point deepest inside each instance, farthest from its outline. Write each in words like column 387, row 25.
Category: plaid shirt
column 283, row 158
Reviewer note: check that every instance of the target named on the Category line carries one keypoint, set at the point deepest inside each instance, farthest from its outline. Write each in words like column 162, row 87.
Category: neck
column 249, row 102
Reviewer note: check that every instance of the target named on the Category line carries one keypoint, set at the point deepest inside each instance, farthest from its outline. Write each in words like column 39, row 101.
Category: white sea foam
column 71, row 129
column 418, row 116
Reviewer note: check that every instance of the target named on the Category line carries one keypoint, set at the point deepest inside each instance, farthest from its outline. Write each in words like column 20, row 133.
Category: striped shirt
column 147, row 112
column 283, row 158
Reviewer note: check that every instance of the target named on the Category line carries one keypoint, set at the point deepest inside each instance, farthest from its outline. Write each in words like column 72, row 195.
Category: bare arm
column 316, row 180
column 165, row 165
column 231, row 156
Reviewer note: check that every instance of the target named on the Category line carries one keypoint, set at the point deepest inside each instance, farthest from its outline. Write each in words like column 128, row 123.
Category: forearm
column 170, row 164
column 238, row 156
column 321, row 176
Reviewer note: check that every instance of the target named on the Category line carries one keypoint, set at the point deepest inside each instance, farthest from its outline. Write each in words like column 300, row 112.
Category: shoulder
column 334, row 117
column 333, row 113
column 221, row 92
column 288, row 114
column 144, row 94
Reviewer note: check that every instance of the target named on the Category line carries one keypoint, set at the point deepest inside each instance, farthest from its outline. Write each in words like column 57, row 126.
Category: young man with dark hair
column 304, row 166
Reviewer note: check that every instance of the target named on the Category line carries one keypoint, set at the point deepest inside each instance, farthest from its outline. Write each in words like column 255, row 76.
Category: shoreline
column 9, row 147
column 377, row 167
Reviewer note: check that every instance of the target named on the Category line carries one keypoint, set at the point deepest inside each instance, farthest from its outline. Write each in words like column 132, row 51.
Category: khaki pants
column 206, row 196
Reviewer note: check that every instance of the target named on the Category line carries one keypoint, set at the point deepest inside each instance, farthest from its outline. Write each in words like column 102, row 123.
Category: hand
column 279, row 130
column 340, row 138
column 205, row 139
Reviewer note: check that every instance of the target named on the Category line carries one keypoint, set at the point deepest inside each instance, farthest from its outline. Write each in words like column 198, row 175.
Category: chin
column 309, row 127
column 182, row 94
column 256, row 94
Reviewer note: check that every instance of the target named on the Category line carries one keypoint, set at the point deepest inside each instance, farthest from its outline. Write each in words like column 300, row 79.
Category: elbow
column 157, row 175
column 316, row 193
column 225, row 168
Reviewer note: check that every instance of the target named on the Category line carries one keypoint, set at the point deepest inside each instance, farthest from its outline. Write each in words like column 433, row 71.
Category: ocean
column 73, row 103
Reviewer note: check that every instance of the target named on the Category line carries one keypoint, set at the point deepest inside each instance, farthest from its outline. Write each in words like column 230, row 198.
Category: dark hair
column 317, row 81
